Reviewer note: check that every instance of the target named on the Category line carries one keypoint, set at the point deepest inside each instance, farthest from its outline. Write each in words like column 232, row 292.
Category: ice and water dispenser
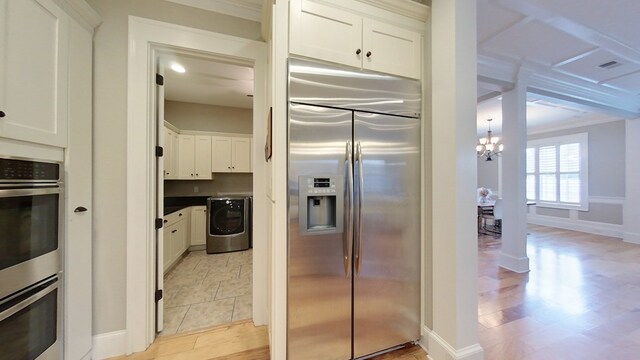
column 321, row 204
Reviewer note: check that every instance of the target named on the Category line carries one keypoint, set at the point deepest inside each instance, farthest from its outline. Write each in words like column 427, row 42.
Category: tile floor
column 581, row 299
column 206, row 290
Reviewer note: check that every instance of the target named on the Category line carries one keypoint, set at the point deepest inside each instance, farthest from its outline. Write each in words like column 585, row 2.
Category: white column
column 453, row 237
column 513, row 255
column 632, row 181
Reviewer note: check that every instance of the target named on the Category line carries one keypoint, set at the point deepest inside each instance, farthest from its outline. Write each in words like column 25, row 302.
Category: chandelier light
column 489, row 146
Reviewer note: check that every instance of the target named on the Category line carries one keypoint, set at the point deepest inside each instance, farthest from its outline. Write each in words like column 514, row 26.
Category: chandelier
column 488, row 146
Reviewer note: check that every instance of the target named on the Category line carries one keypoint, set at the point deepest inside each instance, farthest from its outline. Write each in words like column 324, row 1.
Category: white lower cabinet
column 198, row 225
column 175, row 236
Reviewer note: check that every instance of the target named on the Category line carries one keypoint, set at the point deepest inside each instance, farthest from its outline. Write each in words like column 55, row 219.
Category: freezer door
column 387, row 245
column 319, row 283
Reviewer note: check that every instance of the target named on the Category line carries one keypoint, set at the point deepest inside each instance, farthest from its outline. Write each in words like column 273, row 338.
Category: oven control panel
column 14, row 169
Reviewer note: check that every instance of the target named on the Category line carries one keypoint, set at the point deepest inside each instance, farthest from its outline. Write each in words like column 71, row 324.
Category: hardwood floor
column 581, row 299
column 236, row 341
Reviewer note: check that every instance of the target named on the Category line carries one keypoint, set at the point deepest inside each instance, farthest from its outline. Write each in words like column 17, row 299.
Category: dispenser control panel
column 321, row 185
column 321, row 204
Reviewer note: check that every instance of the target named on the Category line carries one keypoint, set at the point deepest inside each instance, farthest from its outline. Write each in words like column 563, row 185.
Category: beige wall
column 222, row 183
column 189, row 116
column 110, row 135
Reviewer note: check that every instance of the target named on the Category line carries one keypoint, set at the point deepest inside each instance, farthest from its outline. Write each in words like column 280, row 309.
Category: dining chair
column 495, row 216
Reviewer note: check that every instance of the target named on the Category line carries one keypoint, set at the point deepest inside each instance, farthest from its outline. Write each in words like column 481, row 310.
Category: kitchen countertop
column 177, row 203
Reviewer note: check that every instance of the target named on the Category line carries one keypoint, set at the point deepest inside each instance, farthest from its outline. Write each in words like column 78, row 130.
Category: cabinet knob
column 80, row 209
column 191, row 174
column 358, row 52
column 180, row 214
column 165, row 221
column 197, row 175
column 2, row 114
column 368, row 53
column 174, row 231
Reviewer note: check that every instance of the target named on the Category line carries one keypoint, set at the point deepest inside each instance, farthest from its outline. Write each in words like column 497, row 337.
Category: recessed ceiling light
column 177, row 68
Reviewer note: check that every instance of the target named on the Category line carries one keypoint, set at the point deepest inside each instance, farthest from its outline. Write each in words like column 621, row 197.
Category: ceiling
column 556, row 46
column 207, row 81
column 559, row 48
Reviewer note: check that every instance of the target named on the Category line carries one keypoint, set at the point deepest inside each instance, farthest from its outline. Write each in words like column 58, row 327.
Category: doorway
column 148, row 38
column 205, row 127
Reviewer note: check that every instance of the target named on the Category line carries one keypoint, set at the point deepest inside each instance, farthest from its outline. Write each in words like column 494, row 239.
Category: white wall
column 109, row 137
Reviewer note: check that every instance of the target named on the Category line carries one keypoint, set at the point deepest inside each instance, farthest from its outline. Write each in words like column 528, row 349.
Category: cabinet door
column 167, row 258
column 199, row 225
column 167, row 154
column 186, row 156
column 179, row 239
column 393, row 50
column 203, row 157
column 325, row 33
column 175, row 155
column 220, row 154
column 241, row 155
column 33, row 71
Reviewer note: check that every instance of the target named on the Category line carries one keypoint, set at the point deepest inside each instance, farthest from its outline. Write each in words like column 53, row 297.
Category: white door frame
column 144, row 36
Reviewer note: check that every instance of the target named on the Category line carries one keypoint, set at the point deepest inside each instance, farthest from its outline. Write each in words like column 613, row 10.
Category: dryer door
column 227, row 217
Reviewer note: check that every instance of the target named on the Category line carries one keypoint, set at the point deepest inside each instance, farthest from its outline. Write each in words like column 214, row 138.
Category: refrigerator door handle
column 348, row 237
column 358, row 254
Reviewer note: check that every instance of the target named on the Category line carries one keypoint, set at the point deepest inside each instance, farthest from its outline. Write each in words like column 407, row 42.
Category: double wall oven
column 31, row 206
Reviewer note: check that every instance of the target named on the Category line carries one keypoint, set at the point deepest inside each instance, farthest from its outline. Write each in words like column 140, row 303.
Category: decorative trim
column 245, row 9
column 410, row 9
column 518, row 265
column 81, row 12
column 616, row 200
column 633, row 238
column 440, row 349
column 571, row 125
column 109, row 344
column 591, row 227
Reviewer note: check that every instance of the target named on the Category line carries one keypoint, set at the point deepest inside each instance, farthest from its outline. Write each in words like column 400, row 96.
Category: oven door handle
column 29, row 191
column 28, row 301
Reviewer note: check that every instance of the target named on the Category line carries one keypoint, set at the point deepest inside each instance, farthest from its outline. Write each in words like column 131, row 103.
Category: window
column 557, row 172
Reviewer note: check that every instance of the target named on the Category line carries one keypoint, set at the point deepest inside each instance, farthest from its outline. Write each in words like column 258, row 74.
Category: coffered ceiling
column 586, row 51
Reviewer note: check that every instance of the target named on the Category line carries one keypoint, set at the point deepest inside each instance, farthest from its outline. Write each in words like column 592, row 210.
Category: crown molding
column 82, row 12
column 408, row 8
column 245, row 9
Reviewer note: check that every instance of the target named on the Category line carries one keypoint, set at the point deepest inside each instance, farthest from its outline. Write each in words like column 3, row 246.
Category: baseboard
column 633, row 238
column 590, row 227
column 519, row 265
column 438, row 349
column 109, row 344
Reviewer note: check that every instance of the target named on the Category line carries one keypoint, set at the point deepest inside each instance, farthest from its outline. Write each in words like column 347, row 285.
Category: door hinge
column 159, row 223
column 159, row 79
column 159, row 151
column 158, row 295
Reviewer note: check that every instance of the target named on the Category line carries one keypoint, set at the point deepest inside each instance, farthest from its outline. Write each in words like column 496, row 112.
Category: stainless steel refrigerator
column 354, row 212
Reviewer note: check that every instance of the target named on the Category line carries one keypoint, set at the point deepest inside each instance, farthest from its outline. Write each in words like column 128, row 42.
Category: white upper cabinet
column 391, row 49
column 221, row 154
column 33, row 71
column 231, row 154
column 326, row 33
column 202, row 161
column 194, row 157
column 170, row 154
column 241, row 155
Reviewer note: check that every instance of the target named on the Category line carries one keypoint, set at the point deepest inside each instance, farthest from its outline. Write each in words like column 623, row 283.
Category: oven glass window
column 32, row 330
column 227, row 217
column 28, row 227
